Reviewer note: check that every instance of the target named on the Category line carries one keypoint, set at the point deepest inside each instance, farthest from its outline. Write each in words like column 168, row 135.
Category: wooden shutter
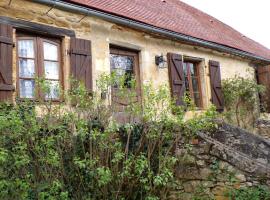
column 81, row 62
column 263, row 76
column 215, row 80
column 6, row 47
column 176, row 77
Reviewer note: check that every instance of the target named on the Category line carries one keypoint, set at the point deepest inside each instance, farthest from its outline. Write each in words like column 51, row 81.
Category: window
column 125, row 63
column 38, row 58
column 192, row 82
column 122, row 66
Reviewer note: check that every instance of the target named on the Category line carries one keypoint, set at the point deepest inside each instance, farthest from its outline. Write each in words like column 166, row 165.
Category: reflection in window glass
column 26, row 48
column 51, row 70
column 195, row 84
column 122, row 66
column 53, row 92
column 26, row 68
column 50, row 51
column 192, row 82
column 192, row 71
column 27, row 88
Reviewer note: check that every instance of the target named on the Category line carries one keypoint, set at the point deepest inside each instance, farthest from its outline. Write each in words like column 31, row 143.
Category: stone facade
column 203, row 168
column 103, row 33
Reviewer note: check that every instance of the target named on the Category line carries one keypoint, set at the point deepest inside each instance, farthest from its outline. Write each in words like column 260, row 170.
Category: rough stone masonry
column 228, row 158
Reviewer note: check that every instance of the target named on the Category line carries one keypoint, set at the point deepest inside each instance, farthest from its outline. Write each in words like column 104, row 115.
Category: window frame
column 187, row 62
column 39, row 64
column 121, row 51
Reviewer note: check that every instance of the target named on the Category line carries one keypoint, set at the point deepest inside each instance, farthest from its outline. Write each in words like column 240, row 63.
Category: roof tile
column 174, row 15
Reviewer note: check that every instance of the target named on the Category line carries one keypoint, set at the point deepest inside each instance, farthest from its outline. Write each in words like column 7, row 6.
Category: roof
column 176, row 16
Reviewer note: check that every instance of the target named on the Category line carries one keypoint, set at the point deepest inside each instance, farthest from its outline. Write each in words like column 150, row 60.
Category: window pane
column 26, row 48
column 53, row 90
column 121, row 62
column 50, row 51
column 51, row 70
column 26, row 68
column 195, row 84
column 192, row 69
column 185, row 68
column 122, row 66
column 27, row 88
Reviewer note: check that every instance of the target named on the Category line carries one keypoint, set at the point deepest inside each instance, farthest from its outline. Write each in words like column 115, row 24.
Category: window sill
column 54, row 101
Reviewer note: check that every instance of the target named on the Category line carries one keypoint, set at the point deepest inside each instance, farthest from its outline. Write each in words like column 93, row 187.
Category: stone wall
column 263, row 128
column 103, row 33
column 229, row 158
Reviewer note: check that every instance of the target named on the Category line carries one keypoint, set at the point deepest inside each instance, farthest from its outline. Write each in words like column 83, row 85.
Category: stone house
column 163, row 41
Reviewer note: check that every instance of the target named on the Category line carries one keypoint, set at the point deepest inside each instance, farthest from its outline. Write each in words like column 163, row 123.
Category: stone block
column 241, row 177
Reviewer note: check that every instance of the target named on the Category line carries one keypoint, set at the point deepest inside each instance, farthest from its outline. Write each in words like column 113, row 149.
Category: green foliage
column 249, row 193
column 202, row 193
column 54, row 151
column 241, row 100
column 201, row 122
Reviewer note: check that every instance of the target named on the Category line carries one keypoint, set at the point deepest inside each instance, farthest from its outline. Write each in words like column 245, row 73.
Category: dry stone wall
column 229, row 158
column 263, row 128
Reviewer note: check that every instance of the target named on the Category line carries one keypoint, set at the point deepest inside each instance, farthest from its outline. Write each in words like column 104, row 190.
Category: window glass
column 26, row 48
column 26, row 68
column 195, row 84
column 31, row 61
column 122, row 66
column 50, row 51
column 53, row 92
column 27, row 88
column 192, row 70
column 185, row 68
column 192, row 82
column 51, row 70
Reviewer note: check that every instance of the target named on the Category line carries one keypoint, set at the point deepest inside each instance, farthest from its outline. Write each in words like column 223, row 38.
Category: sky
column 251, row 18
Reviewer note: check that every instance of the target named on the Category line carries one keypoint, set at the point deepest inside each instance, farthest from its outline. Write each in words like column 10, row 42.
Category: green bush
column 251, row 193
column 54, row 151
column 241, row 100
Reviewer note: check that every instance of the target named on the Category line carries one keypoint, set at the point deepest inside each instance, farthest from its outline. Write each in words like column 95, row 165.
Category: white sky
column 251, row 18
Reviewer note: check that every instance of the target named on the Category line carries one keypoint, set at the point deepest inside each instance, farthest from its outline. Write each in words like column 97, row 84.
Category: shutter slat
column 80, row 60
column 6, row 47
column 176, row 77
column 263, row 75
column 216, row 89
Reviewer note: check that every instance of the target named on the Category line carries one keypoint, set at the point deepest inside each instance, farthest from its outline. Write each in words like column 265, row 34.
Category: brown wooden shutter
column 263, row 76
column 215, row 80
column 6, row 47
column 81, row 62
column 176, row 77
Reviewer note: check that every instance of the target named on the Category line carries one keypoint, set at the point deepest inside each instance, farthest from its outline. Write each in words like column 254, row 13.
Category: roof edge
column 150, row 28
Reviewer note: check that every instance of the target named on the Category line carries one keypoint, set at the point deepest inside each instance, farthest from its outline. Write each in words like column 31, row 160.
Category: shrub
column 251, row 193
column 241, row 100
column 55, row 151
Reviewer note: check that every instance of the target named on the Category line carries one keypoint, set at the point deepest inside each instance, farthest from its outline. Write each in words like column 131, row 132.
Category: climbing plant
column 241, row 100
